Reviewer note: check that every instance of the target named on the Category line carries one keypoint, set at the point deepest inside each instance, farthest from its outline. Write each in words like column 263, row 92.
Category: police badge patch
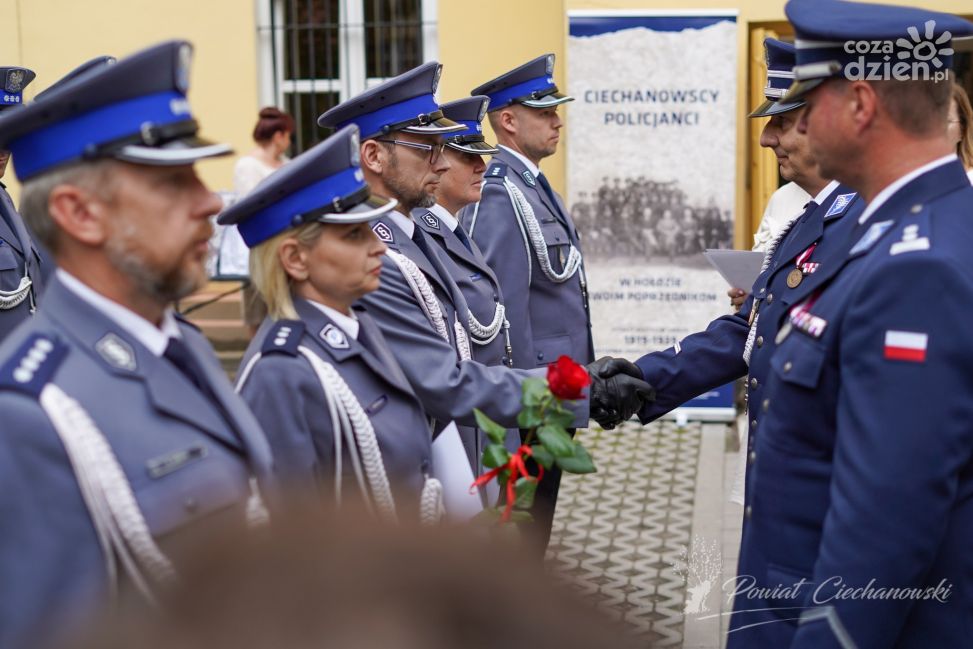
column 840, row 204
column 529, row 178
column 383, row 232
column 431, row 220
column 116, row 352
column 335, row 337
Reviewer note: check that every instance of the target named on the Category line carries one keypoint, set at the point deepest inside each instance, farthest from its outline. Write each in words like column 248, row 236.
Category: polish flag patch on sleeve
column 906, row 346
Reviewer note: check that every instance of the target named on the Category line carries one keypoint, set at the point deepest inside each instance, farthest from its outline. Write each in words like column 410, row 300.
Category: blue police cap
column 403, row 103
column 14, row 81
column 135, row 110
column 780, row 77
column 531, row 84
column 870, row 42
column 323, row 184
column 469, row 112
column 88, row 66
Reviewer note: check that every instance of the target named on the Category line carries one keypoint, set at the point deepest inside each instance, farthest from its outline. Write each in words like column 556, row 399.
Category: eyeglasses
column 435, row 150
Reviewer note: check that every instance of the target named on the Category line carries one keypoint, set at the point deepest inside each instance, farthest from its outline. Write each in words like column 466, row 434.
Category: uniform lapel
column 530, row 188
column 8, row 223
column 113, row 348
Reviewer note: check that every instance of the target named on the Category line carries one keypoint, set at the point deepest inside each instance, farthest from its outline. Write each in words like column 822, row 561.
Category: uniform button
column 916, row 208
column 788, row 366
column 753, row 422
column 754, row 383
column 748, row 511
column 424, row 467
column 766, row 405
column 760, row 341
column 752, row 457
column 191, row 505
column 770, row 299
column 540, row 356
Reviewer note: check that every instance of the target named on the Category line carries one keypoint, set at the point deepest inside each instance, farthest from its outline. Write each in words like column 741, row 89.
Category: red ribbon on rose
column 567, row 379
column 518, row 469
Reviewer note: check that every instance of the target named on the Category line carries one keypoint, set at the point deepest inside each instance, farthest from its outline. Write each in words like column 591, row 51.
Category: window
column 315, row 54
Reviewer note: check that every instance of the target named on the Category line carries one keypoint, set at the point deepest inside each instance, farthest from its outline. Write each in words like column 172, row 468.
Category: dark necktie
column 182, row 359
column 461, row 235
column 546, row 186
column 420, row 240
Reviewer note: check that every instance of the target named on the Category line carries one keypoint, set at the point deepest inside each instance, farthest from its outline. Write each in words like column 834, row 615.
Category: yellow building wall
column 53, row 36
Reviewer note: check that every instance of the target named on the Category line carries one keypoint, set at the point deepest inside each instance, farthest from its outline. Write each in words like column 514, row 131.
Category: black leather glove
column 617, row 390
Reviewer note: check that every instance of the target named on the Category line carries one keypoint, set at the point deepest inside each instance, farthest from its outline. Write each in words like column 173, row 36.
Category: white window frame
column 351, row 44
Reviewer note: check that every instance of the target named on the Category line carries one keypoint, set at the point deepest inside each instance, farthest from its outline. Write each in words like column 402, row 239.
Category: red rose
column 567, row 379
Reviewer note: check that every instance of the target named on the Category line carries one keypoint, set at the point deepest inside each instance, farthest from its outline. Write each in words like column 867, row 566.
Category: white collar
column 445, row 216
column 153, row 338
column 970, row 174
column 405, row 223
column 348, row 323
column 883, row 196
column 531, row 167
column 827, row 191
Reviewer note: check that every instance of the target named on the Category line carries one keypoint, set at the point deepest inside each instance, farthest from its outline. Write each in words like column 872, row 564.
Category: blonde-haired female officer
column 337, row 409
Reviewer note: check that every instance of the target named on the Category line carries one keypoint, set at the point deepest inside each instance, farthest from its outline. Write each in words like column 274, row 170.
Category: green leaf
column 521, row 516
column 542, row 456
column 489, row 515
column 579, row 462
column 525, row 490
column 495, row 455
column 560, row 417
column 530, row 417
column 494, row 431
column 556, row 440
column 534, row 391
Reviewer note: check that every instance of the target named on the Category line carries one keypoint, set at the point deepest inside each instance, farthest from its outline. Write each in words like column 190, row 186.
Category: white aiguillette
column 739, row 268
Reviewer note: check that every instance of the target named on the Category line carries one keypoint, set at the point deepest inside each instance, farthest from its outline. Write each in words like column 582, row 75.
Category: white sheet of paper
column 738, row 267
column 451, row 466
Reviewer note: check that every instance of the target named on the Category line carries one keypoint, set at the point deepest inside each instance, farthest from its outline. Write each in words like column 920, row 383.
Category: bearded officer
column 862, row 505
column 121, row 434
column 418, row 307
column 20, row 260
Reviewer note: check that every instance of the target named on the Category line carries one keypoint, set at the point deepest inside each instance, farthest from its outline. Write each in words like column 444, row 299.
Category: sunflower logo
column 922, row 47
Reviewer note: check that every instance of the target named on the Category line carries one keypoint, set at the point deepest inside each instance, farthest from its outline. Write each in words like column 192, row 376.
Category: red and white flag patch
column 906, row 346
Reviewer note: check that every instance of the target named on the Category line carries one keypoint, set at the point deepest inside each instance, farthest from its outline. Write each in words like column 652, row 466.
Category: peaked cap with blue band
column 135, row 110
column 531, row 84
column 14, row 81
column 403, row 103
column 324, row 184
column 886, row 36
column 469, row 112
column 85, row 68
column 780, row 76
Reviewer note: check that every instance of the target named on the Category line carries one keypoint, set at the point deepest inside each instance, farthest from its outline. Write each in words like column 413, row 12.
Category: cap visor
column 774, row 107
column 441, row 125
column 553, row 99
column 479, row 148
column 367, row 210
column 800, row 89
column 177, row 152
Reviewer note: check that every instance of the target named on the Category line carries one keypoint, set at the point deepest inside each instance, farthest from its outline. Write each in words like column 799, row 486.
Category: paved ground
column 651, row 536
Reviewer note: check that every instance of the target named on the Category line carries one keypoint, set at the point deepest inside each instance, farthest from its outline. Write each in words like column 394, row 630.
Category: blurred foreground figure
column 304, row 582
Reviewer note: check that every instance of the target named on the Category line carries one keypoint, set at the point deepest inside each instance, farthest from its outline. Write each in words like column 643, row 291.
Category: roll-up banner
column 651, row 175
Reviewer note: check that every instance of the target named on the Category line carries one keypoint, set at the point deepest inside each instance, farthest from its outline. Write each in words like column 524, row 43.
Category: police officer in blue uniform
column 20, row 261
column 486, row 316
column 418, row 307
column 862, row 490
column 121, row 434
column 522, row 226
column 319, row 376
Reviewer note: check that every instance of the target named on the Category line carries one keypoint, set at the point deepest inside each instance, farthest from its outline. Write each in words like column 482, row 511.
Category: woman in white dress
column 272, row 135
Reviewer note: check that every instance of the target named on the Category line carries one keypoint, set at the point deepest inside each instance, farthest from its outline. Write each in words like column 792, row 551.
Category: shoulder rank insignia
column 31, row 367
column 529, row 177
column 496, row 170
column 871, row 237
column 911, row 241
column 431, row 220
column 383, row 232
column 335, row 337
column 116, row 352
column 283, row 338
column 840, row 204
